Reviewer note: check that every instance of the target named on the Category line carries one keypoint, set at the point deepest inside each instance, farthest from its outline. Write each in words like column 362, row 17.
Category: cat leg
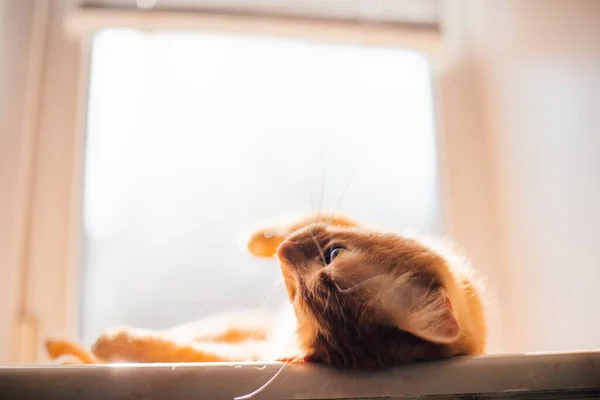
column 232, row 327
column 234, row 336
column 63, row 348
column 134, row 345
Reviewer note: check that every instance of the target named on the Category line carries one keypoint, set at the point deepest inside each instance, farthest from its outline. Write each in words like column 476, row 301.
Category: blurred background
column 141, row 142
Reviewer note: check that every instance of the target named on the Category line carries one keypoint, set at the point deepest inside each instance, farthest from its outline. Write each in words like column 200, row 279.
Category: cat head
column 366, row 299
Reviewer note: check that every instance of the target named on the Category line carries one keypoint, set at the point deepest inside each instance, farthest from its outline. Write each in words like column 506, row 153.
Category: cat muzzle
column 289, row 254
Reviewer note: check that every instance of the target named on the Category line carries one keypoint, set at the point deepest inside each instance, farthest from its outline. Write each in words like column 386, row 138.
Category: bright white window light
column 196, row 139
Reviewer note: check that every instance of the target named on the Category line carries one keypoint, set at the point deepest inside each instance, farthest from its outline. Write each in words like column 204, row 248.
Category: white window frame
column 81, row 22
column 42, row 144
column 41, row 257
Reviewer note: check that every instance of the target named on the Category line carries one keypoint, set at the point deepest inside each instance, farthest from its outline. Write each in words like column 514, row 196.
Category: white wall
column 538, row 64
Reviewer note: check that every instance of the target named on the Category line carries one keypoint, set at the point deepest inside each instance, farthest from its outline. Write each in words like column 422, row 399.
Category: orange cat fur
column 366, row 299
column 361, row 298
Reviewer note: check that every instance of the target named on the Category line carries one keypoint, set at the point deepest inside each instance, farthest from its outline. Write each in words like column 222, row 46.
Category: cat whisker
column 341, row 309
column 327, row 300
column 321, row 199
column 314, row 239
column 359, row 284
column 339, row 202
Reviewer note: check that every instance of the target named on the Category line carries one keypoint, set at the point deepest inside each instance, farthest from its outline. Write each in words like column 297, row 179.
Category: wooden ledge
column 557, row 375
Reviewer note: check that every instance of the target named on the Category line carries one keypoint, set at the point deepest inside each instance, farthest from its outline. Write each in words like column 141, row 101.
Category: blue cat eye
column 332, row 253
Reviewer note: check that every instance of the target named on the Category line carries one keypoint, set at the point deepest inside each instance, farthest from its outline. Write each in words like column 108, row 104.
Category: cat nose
column 288, row 251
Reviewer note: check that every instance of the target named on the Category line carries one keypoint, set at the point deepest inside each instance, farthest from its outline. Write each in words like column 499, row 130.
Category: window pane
column 196, row 139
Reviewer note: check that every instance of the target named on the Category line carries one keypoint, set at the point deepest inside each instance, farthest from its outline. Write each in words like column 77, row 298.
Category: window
column 195, row 139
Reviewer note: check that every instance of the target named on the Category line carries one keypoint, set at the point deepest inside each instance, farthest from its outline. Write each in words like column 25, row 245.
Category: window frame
column 46, row 253
column 46, row 124
column 81, row 22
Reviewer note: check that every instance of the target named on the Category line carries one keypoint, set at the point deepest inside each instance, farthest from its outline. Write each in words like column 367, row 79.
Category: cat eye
column 332, row 253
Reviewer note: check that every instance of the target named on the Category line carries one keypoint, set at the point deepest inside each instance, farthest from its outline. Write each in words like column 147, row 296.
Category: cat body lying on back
column 359, row 298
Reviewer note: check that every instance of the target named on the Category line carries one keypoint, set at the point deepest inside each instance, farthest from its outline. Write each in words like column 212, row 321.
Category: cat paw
column 298, row 359
column 115, row 345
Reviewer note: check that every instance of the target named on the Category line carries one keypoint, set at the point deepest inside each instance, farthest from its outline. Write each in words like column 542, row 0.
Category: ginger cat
column 361, row 299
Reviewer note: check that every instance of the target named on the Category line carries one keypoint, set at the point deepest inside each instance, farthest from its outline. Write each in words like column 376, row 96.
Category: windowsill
column 506, row 375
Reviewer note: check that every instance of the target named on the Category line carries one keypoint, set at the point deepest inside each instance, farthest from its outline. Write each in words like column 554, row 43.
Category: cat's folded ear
column 426, row 313
column 264, row 242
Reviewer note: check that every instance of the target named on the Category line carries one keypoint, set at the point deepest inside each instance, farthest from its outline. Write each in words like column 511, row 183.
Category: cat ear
column 435, row 320
column 264, row 242
column 425, row 313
